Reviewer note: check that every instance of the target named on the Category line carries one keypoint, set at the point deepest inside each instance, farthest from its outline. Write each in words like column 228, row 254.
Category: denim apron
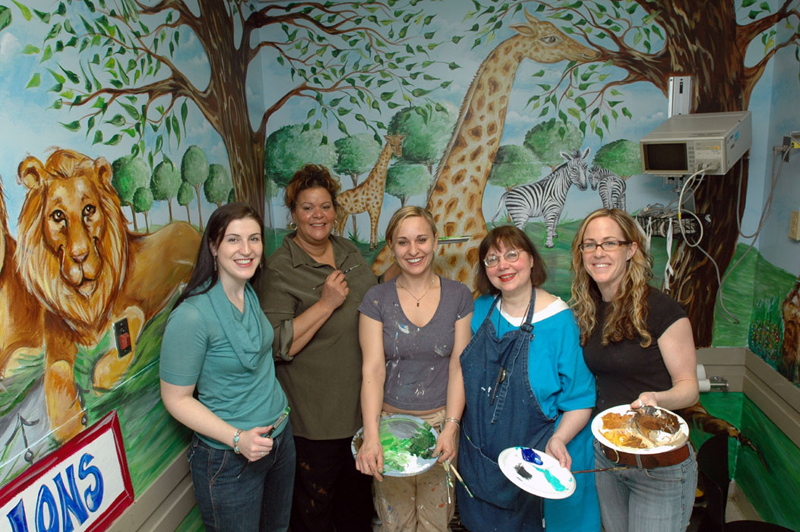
column 494, row 420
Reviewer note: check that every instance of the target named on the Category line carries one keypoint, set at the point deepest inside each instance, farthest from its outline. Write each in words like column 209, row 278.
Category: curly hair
column 511, row 238
column 628, row 312
column 310, row 176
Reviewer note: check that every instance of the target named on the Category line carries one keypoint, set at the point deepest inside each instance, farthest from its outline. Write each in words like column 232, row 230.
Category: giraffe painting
column 368, row 196
column 457, row 197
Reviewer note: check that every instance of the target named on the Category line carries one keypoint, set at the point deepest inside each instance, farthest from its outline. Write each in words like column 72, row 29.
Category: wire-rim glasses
column 608, row 245
column 512, row 255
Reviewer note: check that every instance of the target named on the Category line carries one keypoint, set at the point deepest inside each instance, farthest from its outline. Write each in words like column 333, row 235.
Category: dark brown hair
column 511, row 238
column 218, row 222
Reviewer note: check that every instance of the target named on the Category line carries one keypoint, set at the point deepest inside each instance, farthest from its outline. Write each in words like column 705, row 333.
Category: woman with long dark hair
column 218, row 379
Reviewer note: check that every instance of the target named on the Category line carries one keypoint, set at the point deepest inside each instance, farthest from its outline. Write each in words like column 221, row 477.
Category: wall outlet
column 680, row 95
column 122, row 337
column 794, row 225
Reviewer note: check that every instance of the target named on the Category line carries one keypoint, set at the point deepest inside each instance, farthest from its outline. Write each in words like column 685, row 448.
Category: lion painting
column 21, row 315
column 76, row 256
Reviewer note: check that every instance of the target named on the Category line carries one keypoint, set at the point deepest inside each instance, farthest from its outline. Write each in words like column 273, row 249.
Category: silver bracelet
column 453, row 420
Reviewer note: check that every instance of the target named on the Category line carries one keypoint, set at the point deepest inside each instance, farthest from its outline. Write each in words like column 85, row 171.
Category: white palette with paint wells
column 536, row 472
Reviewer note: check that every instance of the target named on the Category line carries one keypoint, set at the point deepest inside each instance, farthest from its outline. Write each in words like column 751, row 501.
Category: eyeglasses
column 512, row 255
column 608, row 245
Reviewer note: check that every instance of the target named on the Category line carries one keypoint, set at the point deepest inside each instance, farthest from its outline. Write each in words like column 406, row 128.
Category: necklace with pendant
column 418, row 299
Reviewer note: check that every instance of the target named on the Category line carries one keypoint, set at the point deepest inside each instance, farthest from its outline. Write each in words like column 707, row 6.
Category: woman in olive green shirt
column 310, row 292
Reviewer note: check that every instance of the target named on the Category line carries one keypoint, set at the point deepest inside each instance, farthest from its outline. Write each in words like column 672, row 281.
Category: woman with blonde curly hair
column 638, row 343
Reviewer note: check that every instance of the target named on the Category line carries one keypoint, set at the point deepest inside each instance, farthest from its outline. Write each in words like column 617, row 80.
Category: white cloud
column 9, row 46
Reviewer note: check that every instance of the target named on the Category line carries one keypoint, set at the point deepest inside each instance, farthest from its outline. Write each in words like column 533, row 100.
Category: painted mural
column 126, row 123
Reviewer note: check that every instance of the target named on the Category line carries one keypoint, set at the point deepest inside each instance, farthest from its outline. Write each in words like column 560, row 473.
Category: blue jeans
column 260, row 500
column 646, row 500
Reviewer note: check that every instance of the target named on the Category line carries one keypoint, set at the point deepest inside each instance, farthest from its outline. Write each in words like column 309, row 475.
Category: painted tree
column 355, row 155
column 290, row 147
column 142, row 203
column 548, row 139
column 427, row 128
column 622, row 157
column 120, row 59
column 165, row 182
column 185, row 197
column 129, row 174
column 194, row 171
column 647, row 41
column 513, row 166
column 404, row 180
column 218, row 186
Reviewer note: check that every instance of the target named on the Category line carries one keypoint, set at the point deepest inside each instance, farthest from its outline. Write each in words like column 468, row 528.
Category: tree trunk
column 225, row 103
column 133, row 214
column 703, row 43
column 188, row 214
column 199, row 210
column 169, row 204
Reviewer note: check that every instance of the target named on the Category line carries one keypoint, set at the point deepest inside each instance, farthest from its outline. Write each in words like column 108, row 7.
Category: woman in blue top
column 526, row 384
column 218, row 379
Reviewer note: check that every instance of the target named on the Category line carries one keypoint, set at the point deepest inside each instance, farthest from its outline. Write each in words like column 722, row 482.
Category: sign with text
column 83, row 486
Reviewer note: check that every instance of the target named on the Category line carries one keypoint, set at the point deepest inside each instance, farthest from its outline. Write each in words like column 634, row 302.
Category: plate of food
column 408, row 444
column 648, row 430
column 536, row 472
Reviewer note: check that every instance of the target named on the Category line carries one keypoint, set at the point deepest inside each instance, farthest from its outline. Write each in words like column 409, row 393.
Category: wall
column 564, row 87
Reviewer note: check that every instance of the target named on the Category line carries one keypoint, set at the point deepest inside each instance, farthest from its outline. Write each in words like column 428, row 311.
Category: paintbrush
column 600, row 470
column 448, row 465
column 345, row 272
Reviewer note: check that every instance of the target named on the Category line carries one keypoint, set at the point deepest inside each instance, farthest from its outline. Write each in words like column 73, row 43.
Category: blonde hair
column 628, row 312
column 409, row 211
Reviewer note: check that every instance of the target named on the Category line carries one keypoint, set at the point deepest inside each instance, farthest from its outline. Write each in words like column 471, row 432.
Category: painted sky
column 28, row 127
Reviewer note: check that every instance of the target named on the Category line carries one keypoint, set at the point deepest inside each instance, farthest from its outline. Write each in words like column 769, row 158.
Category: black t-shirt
column 625, row 369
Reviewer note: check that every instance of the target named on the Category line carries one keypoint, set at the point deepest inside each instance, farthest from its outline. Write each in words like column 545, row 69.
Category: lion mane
column 72, row 239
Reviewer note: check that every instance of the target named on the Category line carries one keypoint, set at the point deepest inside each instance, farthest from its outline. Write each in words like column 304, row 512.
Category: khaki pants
column 422, row 503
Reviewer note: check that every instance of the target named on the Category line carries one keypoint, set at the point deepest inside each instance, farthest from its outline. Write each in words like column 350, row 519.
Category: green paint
column 402, row 450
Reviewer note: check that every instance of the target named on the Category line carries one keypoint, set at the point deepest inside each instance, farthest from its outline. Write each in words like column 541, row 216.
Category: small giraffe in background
column 368, row 196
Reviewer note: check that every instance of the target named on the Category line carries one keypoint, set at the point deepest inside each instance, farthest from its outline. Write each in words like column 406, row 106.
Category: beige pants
column 423, row 503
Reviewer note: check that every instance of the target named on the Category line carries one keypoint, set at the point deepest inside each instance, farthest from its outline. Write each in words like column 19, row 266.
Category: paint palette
column 537, row 473
column 408, row 444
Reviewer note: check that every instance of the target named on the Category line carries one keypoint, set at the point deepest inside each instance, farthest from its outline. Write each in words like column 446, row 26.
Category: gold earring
column 293, row 226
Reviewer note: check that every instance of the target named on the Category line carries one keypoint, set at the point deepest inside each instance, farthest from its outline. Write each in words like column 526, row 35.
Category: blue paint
column 529, row 455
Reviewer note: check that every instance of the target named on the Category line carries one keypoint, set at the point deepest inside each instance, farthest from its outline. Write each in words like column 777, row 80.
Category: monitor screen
column 665, row 157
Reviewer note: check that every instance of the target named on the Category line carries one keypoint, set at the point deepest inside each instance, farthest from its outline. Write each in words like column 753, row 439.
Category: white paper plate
column 398, row 432
column 548, row 480
column 597, row 430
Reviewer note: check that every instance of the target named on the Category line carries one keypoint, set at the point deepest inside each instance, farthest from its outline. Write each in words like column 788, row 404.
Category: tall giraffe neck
column 464, row 171
column 379, row 171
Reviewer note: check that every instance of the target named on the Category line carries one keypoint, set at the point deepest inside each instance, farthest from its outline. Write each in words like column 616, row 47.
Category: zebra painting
column 546, row 197
column 609, row 185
